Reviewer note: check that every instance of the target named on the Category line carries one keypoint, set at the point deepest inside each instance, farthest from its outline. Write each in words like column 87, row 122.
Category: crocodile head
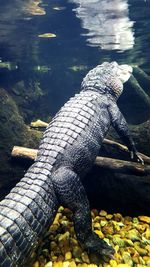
column 123, row 72
column 107, row 78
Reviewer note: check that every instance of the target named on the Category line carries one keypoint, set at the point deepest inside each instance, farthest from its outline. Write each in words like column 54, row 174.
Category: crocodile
column 67, row 151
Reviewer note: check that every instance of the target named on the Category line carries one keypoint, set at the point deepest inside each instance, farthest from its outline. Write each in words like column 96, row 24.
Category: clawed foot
column 96, row 245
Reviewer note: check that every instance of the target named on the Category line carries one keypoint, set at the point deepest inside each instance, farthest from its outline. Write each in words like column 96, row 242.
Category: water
column 40, row 74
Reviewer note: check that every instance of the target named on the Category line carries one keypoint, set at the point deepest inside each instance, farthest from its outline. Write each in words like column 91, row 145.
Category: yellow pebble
column 68, row 255
column 57, row 218
column 103, row 223
column 109, row 216
column 117, row 217
column 103, row 213
column 60, row 209
column 66, row 264
column 99, row 233
column 96, row 219
column 141, row 251
column 85, row 257
column 148, row 248
column 116, row 248
column 72, row 264
column 106, row 265
column 147, row 233
column 78, row 260
column 113, row 263
column 146, row 258
column 36, row 264
column 49, row 264
column 144, row 219
column 97, row 225
column 118, row 257
column 53, row 257
column 123, row 265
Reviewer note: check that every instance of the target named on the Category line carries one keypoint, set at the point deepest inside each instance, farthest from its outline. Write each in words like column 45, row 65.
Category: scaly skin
column 67, row 151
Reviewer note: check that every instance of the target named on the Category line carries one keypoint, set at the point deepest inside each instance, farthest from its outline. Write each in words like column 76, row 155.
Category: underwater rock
column 25, row 94
column 13, row 131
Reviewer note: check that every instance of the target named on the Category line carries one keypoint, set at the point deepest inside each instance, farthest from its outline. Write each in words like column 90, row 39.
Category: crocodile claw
column 98, row 246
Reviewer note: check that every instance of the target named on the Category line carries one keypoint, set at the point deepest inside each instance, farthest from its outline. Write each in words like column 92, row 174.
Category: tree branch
column 124, row 148
column 103, row 162
column 122, row 166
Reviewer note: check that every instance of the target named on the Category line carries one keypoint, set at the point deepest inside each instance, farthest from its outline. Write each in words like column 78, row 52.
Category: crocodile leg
column 71, row 194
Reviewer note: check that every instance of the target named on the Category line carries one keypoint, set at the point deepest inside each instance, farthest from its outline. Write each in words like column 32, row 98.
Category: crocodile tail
column 25, row 214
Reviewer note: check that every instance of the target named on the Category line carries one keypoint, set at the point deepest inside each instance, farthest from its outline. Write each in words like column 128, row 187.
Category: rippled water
column 87, row 33
column 42, row 73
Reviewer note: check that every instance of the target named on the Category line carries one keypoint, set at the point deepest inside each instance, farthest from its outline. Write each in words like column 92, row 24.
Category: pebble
column 66, row 264
column 99, row 233
column 133, row 235
column 103, row 213
column 129, row 236
column 49, row 264
column 127, row 258
column 36, row 264
column 68, row 255
column 144, row 219
column 113, row 263
column 123, row 265
column 85, row 257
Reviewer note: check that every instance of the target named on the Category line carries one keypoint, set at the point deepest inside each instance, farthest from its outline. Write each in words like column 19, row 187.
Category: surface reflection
column 107, row 22
column 16, row 27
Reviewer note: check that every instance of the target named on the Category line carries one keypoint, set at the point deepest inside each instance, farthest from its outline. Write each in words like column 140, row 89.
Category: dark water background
column 40, row 74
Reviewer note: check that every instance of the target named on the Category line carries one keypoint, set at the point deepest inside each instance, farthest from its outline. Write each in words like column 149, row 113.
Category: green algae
column 13, row 132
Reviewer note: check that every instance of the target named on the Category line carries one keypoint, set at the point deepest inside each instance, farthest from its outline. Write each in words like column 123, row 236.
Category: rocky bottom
column 129, row 236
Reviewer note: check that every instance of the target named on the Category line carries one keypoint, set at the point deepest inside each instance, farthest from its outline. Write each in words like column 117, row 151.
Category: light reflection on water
column 87, row 32
column 108, row 23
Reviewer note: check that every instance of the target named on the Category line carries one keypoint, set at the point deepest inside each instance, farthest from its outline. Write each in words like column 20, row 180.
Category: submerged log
column 29, row 153
column 38, row 124
column 141, row 74
column 24, row 152
column 124, row 148
column 120, row 166
column 139, row 90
